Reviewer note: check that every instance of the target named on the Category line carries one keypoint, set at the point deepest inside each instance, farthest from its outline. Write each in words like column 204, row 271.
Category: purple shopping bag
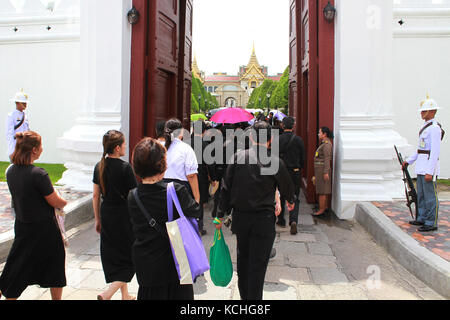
column 187, row 246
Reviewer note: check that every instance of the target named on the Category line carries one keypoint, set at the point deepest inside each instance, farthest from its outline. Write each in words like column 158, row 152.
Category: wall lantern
column 329, row 12
column 133, row 16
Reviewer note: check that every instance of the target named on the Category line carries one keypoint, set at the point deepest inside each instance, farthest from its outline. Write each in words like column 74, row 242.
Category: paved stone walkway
column 437, row 241
column 327, row 259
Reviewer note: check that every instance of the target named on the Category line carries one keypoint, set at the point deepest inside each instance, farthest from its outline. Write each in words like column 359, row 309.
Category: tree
column 198, row 91
column 194, row 105
column 280, row 96
column 206, row 101
column 268, row 86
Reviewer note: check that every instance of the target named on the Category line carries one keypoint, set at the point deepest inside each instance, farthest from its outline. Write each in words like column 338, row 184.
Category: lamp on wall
column 329, row 12
column 133, row 16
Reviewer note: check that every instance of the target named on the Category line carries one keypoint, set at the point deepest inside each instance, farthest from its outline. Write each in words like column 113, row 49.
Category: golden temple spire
column 253, row 60
column 196, row 70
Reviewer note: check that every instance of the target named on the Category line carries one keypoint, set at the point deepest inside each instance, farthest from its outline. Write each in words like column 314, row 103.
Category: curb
column 77, row 213
column 421, row 262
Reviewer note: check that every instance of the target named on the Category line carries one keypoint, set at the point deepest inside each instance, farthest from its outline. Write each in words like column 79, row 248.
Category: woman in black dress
column 152, row 256
column 37, row 256
column 113, row 179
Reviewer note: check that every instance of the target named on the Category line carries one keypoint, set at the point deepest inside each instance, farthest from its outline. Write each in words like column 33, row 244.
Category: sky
column 224, row 32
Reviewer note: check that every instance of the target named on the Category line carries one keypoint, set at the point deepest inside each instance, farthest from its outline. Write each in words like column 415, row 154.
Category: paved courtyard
column 327, row 259
column 437, row 241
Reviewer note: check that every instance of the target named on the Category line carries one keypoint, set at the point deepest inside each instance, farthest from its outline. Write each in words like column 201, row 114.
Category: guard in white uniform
column 427, row 167
column 17, row 121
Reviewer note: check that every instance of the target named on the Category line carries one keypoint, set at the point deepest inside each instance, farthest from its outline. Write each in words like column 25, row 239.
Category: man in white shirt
column 16, row 121
column 427, row 167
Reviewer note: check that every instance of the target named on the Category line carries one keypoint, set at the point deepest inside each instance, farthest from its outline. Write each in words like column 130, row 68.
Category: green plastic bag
column 221, row 270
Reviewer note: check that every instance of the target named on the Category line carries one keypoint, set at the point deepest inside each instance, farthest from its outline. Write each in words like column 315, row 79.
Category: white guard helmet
column 20, row 97
column 428, row 104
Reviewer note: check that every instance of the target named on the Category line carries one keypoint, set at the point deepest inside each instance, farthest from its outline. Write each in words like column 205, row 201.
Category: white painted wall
column 45, row 63
column 105, row 90
column 364, row 159
column 421, row 63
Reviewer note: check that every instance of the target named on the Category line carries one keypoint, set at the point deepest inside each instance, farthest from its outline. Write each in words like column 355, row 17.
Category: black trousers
column 293, row 215
column 255, row 234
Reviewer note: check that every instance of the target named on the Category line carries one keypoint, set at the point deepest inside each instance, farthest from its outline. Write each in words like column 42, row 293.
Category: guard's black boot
column 427, row 229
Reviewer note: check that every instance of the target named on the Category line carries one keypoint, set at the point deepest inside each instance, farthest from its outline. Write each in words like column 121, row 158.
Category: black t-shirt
column 294, row 156
column 119, row 180
column 29, row 185
column 246, row 189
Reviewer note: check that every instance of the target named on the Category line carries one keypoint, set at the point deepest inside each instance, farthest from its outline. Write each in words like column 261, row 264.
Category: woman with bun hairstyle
column 113, row 179
column 182, row 165
column 156, row 272
column 37, row 256
column 322, row 169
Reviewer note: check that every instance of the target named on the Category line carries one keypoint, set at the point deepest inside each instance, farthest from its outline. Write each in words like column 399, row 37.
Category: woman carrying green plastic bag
column 221, row 270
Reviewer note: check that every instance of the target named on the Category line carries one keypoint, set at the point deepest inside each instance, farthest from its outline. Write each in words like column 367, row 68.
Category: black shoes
column 422, row 226
column 294, row 228
column 427, row 229
column 273, row 253
column 281, row 224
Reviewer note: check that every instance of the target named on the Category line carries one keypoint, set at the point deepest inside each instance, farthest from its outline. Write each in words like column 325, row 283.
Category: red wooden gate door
column 311, row 78
column 185, row 63
column 302, row 85
column 160, row 66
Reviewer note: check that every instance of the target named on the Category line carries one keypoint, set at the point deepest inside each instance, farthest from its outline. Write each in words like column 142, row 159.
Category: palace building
column 235, row 90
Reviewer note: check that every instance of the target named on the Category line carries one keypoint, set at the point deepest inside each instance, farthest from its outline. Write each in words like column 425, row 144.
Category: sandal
column 316, row 214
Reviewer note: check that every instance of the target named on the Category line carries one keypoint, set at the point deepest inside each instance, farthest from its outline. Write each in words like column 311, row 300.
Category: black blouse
column 119, row 180
column 152, row 255
column 29, row 185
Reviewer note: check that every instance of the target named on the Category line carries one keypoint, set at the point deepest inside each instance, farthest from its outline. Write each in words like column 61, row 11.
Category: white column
column 366, row 167
column 105, row 78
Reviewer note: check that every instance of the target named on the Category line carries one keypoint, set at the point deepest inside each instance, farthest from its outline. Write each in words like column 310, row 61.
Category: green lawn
column 55, row 171
column 444, row 182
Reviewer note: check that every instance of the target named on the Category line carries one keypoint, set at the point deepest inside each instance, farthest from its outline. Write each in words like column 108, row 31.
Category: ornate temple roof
column 253, row 59
column 196, row 70
column 253, row 71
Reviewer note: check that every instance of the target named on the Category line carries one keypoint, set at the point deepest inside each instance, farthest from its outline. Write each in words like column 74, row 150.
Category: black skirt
column 116, row 240
column 37, row 257
column 173, row 291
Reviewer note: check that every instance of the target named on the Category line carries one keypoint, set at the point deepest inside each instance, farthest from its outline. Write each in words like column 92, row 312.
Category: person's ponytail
column 168, row 137
column 101, row 172
column 171, row 126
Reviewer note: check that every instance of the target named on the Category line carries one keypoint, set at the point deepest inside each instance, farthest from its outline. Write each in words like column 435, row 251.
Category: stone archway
column 230, row 102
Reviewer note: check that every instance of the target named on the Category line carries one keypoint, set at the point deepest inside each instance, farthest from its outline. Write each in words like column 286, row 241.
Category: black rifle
column 410, row 190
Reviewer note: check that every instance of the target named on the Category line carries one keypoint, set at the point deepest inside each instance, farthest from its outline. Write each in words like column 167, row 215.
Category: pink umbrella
column 231, row 116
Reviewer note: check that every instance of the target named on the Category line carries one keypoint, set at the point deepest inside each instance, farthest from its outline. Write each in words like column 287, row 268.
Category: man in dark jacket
column 249, row 189
column 292, row 152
